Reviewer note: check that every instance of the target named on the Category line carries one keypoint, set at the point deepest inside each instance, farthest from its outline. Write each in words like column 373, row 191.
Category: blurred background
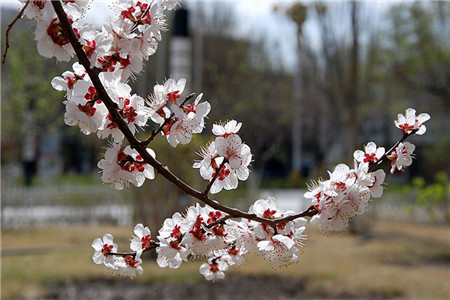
column 310, row 81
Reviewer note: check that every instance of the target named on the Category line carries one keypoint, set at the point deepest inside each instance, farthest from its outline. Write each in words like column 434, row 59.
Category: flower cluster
column 204, row 232
column 118, row 51
column 226, row 159
column 347, row 192
column 344, row 195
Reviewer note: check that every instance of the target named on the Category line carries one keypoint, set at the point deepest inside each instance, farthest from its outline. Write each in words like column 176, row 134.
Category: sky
column 255, row 19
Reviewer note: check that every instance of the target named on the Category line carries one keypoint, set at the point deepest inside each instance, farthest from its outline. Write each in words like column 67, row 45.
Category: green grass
column 400, row 261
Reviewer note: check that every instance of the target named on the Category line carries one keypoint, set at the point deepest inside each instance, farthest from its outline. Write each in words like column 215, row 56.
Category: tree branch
column 10, row 25
column 139, row 147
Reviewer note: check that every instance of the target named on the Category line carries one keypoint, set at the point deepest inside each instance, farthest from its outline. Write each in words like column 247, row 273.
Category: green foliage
column 27, row 93
column 434, row 197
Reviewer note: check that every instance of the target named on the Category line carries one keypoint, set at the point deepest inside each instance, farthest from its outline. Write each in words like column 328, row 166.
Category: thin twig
column 218, row 169
column 218, row 221
column 133, row 254
column 166, row 121
column 386, row 154
column 137, row 23
column 10, row 25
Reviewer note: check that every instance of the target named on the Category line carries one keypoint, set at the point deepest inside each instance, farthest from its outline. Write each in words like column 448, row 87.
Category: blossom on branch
column 214, row 269
column 345, row 195
column 188, row 120
column 370, row 155
column 226, row 159
column 409, row 123
column 401, row 156
column 129, row 265
column 84, row 109
column 103, row 248
column 143, row 239
column 123, row 165
column 68, row 79
column 170, row 251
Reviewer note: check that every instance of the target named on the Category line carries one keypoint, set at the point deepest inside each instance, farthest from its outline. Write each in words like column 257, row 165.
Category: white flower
column 34, row 9
column 146, row 43
column 121, row 166
column 102, row 250
column 143, row 239
column 212, row 166
column 170, row 4
column 69, row 79
column 171, row 252
column 84, row 109
column 128, row 266
column 214, row 269
column 163, row 94
column 401, row 156
column 97, row 45
column 51, row 41
column 234, row 255
column 236, row 153
column 265, row 209
column 198, row 238
column 378, row 178
column 241, row 234
column 173, row 89
column 229, row 128
column 345, row 195
column 188, row 120
column 409, row 122
column 133, row 112
column 370, row 155
column 281, row 249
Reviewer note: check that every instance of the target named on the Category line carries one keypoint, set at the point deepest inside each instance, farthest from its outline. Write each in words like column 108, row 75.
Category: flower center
column 147, row 242
column 55, row 32
column 107, row 249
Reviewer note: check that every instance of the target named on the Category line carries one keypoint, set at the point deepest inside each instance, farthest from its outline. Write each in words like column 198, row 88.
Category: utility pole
column 297, row 13
column 181, row 49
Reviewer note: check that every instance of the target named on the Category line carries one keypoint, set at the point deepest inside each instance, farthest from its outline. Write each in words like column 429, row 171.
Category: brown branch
column 138, row 21
column 218, row 221
column 218, row 169
column 137, row 145
column 123, row 254
column 10, row 25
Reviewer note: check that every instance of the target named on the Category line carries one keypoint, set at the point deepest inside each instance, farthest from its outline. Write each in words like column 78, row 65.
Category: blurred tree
column 333, row 79
column 419, row 48
column 239, row 82
column 354, row 72
column 417, row 53
column 250, row 93
column 31, row 108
